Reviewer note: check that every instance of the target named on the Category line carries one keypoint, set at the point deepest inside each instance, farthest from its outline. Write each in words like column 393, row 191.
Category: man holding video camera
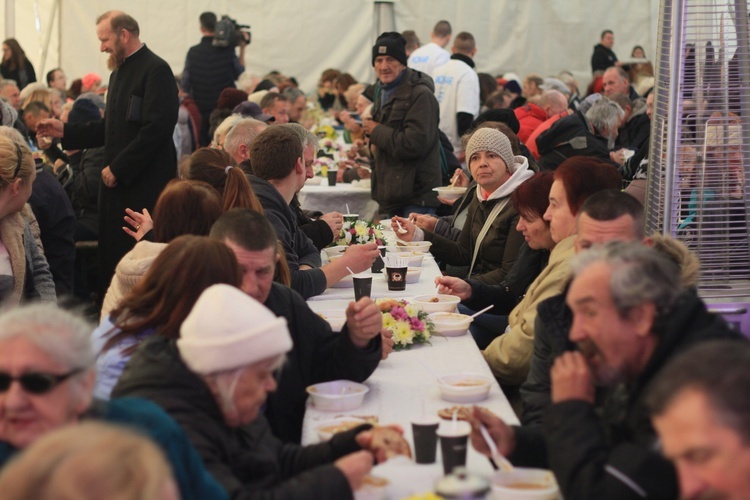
column 209, row 69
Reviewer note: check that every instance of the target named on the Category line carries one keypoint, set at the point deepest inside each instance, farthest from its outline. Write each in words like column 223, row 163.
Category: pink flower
column 416, row 324
column 398, row 313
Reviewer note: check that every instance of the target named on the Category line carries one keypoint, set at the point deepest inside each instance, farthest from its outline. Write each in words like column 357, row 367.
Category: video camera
column 229, row 34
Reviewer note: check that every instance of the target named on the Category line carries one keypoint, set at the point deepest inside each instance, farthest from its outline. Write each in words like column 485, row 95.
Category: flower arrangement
column 408, row 325
column 361, row 232
column 330, row 146
column 325, row 132
column 322, row 164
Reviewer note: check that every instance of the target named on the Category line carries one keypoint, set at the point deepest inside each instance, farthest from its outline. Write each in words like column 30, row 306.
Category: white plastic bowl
column 315, row 181
column 412, row 246
column 536, row 484
column 451, row 324
column 415, row 257
column 464, row 388
column 338, row 395
column 446, row 303
column 450, row 193
column 336, row 319
column 328, row 428
column 332, row 251
column 345, row 282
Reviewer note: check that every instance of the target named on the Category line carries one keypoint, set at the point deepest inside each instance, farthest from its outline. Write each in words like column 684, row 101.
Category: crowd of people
column 193, row 383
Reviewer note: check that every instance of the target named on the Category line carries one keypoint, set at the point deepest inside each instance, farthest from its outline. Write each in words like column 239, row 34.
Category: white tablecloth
column 334, row 199
column 401, row 389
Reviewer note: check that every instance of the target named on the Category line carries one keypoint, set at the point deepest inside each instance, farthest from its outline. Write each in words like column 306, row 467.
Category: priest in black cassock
column 136, row 132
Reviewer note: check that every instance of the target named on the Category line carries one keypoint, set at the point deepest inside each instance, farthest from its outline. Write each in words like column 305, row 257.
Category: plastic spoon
column 480, row 312
column 496, row 456
column 401, row 229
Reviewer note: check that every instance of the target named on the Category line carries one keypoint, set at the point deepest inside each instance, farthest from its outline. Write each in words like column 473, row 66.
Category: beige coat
column 509, row 355
column 128, row 273
column 23, row 245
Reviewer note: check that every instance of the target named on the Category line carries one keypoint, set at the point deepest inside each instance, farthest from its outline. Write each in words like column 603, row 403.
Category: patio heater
column 699, row 157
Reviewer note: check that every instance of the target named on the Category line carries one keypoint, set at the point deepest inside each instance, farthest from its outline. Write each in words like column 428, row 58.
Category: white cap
column 228, row 329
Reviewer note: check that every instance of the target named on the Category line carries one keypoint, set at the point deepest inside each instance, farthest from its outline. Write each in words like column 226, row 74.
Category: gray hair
column 292, row 93
column 306, row 137
column 243, row 132
column 6, row 82
column 720, row 369
column 639, row 274
column 62, row 335
column 12, row 134
column 224, row 128
column 605, row 115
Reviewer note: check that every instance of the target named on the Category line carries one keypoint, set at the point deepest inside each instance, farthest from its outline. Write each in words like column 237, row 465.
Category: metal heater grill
column 699, row 161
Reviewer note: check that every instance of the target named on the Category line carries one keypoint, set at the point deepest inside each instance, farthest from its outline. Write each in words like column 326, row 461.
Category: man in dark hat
column 403, row 133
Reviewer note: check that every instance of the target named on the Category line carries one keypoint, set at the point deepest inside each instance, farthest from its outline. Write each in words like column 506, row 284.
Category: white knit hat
column 228, row 329
column 489, row 139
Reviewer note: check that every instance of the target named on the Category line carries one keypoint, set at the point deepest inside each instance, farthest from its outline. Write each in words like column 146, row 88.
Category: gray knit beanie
column 489, row 139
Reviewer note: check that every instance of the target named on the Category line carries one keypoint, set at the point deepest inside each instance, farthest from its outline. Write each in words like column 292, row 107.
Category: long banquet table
column 335, row 199
column 401, row 389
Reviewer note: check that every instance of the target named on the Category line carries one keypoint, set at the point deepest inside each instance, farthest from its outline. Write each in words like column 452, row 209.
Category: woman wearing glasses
column 46, row 383
column 24, row 272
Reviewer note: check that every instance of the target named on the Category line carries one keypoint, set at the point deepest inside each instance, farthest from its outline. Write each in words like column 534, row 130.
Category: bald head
column 553, row 102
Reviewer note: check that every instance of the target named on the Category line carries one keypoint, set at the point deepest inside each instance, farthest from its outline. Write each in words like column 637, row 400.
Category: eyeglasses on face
column 35, row 383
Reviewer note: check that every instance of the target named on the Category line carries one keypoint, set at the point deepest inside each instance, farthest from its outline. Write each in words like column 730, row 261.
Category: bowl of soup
column 450, row 324
column 436, row 303
column 464, row 387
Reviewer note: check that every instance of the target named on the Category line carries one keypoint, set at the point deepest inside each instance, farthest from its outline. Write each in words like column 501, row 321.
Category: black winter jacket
column 209, row 70
column 298, row 247
column 317, row 230
column 405, row 145
column 570, row 136
column 602, row 58
column 609, row 450
column 319, row 355
column 248, row 461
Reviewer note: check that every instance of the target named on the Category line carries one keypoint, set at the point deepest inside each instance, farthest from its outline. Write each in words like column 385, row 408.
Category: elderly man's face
column 614, row 83
column 712, row 460
column 387, row 69
column 13, row 95
column 24, row 417
column 614, row 347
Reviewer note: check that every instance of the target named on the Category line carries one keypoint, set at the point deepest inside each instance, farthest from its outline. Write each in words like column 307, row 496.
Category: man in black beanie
column 403, row 133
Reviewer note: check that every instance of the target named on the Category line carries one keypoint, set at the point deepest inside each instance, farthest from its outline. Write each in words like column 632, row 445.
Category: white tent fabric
column 303, row 37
